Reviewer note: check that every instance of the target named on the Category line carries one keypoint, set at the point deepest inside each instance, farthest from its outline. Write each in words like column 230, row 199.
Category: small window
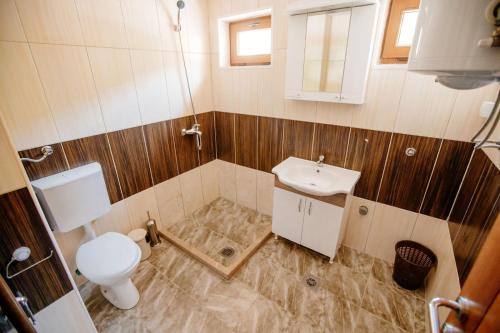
column 250, row 41
column 399, row 31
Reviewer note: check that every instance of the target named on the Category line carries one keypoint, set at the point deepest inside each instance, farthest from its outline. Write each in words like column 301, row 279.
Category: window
column 250, row 42
column 399, row 30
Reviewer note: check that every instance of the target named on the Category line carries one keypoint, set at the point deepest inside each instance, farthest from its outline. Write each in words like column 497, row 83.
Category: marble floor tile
column 222, row 223
column 400, row 308
column 229, row 301
column 268, row 294
column 382, row 271
column 366, row 322
column 355, row 260
column 265, row 316
column 344, row 282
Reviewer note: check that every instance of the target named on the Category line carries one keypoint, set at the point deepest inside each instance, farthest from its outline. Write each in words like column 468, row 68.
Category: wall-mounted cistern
column 194, row 130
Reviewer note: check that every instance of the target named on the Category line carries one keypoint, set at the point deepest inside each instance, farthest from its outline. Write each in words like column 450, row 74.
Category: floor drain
column 227, row 251
column 312, row 281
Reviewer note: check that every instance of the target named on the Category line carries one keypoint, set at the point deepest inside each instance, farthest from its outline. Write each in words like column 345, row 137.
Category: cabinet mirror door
column 325, row 51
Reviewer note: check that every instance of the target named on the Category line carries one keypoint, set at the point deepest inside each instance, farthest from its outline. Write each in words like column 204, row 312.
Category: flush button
column 410, row 151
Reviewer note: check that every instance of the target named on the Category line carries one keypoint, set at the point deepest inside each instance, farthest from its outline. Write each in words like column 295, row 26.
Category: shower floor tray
column 222, row 235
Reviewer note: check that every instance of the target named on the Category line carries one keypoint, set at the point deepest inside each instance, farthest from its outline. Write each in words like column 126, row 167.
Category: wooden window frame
column 391, row 54
column 246, row 25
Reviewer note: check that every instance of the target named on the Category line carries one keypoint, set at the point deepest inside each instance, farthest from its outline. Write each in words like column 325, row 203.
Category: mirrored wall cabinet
column 329, row 50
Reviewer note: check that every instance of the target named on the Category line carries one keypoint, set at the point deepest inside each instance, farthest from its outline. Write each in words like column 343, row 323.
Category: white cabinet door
column 321, row 228
column 288, row 214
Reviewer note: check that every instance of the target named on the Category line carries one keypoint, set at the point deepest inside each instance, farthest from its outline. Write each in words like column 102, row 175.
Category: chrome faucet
column 194, row 130
column 320, row 161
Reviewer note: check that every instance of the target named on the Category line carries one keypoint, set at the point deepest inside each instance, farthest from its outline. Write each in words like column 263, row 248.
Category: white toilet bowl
column 109, row 261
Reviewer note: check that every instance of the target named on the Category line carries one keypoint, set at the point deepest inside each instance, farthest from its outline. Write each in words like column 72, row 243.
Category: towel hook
column 21, row 254
column 46, row 151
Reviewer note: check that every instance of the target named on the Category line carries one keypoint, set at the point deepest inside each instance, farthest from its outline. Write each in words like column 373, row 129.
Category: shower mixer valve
column 194, row 130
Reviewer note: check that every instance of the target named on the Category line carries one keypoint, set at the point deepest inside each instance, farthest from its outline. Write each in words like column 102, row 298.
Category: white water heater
column 458, row 41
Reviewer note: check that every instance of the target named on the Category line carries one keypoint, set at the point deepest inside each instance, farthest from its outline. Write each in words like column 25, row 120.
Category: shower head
column 181, row 4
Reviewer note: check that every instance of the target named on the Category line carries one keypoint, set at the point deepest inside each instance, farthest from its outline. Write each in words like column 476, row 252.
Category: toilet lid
column 107, row 256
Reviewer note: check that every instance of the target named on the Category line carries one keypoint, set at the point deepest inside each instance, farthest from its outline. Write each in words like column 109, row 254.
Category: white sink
column 306, row 176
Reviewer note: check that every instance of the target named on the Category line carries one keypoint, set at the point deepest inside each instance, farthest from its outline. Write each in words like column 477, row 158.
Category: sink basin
column 306, row 176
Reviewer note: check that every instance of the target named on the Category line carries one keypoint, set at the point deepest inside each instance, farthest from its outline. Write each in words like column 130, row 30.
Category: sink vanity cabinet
column 304, row 215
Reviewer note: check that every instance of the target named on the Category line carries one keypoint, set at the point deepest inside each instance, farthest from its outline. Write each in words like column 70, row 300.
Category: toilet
column 109, row 261
column 74, row 198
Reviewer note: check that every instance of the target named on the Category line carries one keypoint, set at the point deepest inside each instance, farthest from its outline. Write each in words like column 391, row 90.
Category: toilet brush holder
column 154, row 237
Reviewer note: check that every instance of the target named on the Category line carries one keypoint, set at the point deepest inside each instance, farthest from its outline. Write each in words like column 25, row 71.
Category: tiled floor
column 269, row 294
column 220, row 224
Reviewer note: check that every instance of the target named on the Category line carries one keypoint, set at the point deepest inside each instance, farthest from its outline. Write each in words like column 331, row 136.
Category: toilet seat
column 108, row 258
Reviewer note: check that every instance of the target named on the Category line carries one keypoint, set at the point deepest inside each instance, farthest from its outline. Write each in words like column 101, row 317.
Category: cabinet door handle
column 300, row 205
column 310, row 206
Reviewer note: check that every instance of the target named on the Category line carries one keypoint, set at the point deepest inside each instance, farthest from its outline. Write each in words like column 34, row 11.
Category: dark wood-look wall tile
column 297, row 139
column 478, row 220
column 95, row 149
column 270, row 143
column 224, row 136
column 246, row 140
column 479, row 163
column 367, row 153
column 185, row 146
column 448, row 173
column 331, row 141
column 131, row 160
column 160, row 145
column 21, row 225
column 53, row 164
column 207, row 123
column 405, row 178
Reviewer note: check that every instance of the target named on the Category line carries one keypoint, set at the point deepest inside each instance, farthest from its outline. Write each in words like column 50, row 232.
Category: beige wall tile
column 265, row 188
column 227, row 179
column 494, row 155
column 102, row 23
column 169, row 197
column 300, row 110
column 223, row 87
column 238, row 6
column 22, row 101
column 117, row 220
column 273, row 86
column 138, row 207
column 442, row 281
column 69, row 242
column 50, row 21
column 380, row 109
column 115, row 85
column 425, row 106
column 246, row 187
column 176, row 84
column 389, row 225
column 210, row 182
column 280, row 23
column 167, row 19
column 10, row 168
column 248, row 91
column 201, row 81
column 67, row 314
column 11, row 28
column 465, row 120
column 336, row 113
column 151, row 85
column 141, row 24
column 69, row 87
column 196, row 23
column 192, row 193
column 358, row 225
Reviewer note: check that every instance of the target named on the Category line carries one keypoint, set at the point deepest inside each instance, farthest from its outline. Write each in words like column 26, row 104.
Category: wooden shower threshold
column 226, row 271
